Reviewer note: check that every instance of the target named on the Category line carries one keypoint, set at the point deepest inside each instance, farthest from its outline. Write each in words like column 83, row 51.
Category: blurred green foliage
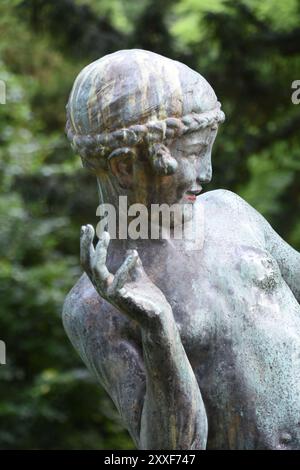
column 249, row 51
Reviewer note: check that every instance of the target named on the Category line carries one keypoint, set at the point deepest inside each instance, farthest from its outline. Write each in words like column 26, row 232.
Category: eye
column 198, row 152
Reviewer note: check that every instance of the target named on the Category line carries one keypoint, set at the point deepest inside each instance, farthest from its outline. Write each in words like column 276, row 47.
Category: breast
column 240, row 326
column 252, row 386
column 256, row 266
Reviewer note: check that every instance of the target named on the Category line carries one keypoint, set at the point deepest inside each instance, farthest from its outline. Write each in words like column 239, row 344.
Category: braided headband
column 97, row 149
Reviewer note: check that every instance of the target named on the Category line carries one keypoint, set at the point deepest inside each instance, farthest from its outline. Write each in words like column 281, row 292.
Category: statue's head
column 145, row 124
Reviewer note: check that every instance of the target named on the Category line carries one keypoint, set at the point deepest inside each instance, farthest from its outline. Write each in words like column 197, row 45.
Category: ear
column 121, row 166
column 161, row 160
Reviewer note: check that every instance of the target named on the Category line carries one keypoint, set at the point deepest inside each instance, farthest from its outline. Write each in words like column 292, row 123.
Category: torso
column 240, row 326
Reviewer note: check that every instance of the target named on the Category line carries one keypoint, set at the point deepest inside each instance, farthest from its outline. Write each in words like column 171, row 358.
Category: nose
column 204, row 179
column 204, row 169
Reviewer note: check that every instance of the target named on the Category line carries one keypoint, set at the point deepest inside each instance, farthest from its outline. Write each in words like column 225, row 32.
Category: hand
column 129, row 289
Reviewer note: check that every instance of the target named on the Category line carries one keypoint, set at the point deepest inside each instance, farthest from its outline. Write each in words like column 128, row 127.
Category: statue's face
column 193, row 154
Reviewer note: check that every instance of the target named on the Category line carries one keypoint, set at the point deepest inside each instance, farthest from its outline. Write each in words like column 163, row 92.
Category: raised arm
column 155, row 389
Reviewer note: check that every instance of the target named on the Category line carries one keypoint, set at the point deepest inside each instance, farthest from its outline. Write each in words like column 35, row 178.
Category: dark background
column 248, row 50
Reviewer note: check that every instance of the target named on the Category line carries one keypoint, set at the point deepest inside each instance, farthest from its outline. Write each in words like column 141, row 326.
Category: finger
column 86, row 247
column 122, row 274
column 99, row 260
column 138, row 271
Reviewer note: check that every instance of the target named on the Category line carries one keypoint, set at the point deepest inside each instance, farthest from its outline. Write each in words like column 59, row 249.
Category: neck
column 115, row 202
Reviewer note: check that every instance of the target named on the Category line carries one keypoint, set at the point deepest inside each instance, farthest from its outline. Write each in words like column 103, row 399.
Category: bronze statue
column 197, row 349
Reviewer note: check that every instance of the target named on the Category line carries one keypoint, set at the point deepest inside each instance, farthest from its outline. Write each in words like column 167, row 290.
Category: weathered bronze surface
column 197, row 349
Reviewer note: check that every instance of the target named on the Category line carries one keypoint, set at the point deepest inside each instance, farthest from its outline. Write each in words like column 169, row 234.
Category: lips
column 192, row 194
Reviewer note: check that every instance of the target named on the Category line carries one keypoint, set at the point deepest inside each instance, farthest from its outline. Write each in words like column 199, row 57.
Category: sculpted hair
column 135, row 99
column 96, row 150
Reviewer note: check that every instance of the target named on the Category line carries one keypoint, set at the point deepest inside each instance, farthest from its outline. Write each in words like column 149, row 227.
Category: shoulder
column 235, row 215
column 82, row 299
column 223, row 206
column 224, row 198
column 84, row 311
column 232, row 211
column 86, row 315
column 229, row 204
